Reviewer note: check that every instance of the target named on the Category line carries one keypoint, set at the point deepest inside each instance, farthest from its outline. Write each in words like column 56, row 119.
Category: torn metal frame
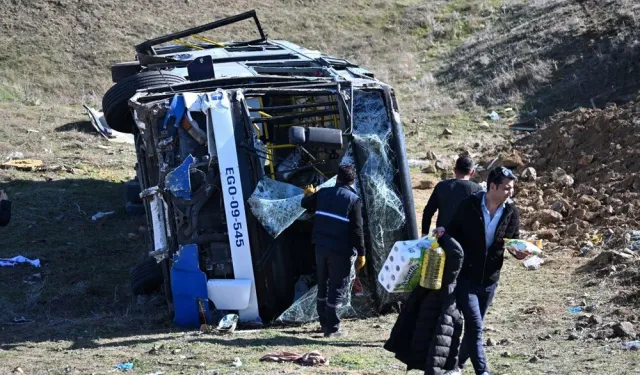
column 160, row 148
column 146, row 48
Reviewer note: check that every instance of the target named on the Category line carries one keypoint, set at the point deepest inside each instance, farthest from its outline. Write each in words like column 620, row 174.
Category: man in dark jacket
column 448, row 194
column 480, row 225
column 338, row 236
column 427, row 333
column 5, row 209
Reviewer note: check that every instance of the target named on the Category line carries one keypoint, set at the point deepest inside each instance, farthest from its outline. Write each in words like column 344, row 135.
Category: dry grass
column 59, row 53
column 56, row 56
column 550, row 55
column 529, row 305
column 63, row 49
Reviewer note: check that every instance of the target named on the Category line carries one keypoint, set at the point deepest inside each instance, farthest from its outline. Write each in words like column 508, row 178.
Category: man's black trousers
column 334, row 272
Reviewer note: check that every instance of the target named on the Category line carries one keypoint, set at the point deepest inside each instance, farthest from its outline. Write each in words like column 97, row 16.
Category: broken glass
column 276, row 204
column 384, row 211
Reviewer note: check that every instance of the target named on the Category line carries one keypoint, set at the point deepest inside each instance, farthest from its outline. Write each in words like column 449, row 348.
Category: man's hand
column 517, row 254
column 3, row 196
column 438, row 232
column 360, row 262
column 309, row 189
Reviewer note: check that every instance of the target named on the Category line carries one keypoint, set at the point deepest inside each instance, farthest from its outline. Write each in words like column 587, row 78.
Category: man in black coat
column 427, row 333
column 480, row 225
column 5, row 209
column 448, row 194
column 338, row 236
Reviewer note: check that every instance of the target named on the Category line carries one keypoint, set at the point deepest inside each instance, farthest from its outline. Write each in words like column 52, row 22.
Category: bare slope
column 551, row 55
column 61, row 50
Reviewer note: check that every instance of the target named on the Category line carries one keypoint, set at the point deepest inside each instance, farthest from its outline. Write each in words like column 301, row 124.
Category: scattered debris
column 633, row 345
column 156, row 350
column 11, row 262
column 15, row 155
column 18, row 370
column 228, row 323
column 418, row 163
column 634, row 240
column 100, row 124
column 533, row 263
column 447, row 131
column 575, row 310
column 125, row 366
column 23, row 164
column 20, row 320
column 490, row 342
column 526, row 126
column 308, row 359
column 236, row 362
column 100, row 215
column 493, row 115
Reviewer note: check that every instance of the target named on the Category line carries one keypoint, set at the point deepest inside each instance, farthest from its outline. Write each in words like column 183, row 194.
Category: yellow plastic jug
column 433, row 260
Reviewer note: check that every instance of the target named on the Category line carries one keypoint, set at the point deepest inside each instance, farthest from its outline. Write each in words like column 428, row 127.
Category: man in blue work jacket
column 338, row 237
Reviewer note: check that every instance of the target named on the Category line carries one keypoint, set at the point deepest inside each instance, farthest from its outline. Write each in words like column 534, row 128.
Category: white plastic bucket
column 229, row 294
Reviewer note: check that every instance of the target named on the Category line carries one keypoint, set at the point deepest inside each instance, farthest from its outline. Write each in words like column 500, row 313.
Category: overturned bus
column 223, row 155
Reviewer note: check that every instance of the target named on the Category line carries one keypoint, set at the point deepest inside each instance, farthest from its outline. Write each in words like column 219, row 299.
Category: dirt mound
column 581, row 190
column 588, row 175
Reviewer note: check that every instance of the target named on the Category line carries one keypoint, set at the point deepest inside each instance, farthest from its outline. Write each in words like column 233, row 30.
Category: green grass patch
column 7, row 94
column 353, row 361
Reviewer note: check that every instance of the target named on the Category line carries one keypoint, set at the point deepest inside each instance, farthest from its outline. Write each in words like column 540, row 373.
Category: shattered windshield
column 354, row 128
column 384, row 212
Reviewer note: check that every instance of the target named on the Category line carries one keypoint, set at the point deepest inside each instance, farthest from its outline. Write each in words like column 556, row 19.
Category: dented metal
column 221, row 176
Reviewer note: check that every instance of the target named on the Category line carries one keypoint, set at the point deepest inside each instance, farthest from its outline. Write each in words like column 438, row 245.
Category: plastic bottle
column 432, row 267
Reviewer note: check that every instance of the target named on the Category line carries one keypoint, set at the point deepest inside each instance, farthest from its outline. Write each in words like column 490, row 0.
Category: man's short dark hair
column 464, row 165
column 346, row 174
column 498, row 175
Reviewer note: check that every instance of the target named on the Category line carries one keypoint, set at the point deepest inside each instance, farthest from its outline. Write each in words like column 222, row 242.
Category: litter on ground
column 308, row 359
column 100, row 215
column 11, row 262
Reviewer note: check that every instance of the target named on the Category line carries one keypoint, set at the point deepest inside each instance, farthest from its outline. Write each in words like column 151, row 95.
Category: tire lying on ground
column 146, row 277
column 115, row 102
